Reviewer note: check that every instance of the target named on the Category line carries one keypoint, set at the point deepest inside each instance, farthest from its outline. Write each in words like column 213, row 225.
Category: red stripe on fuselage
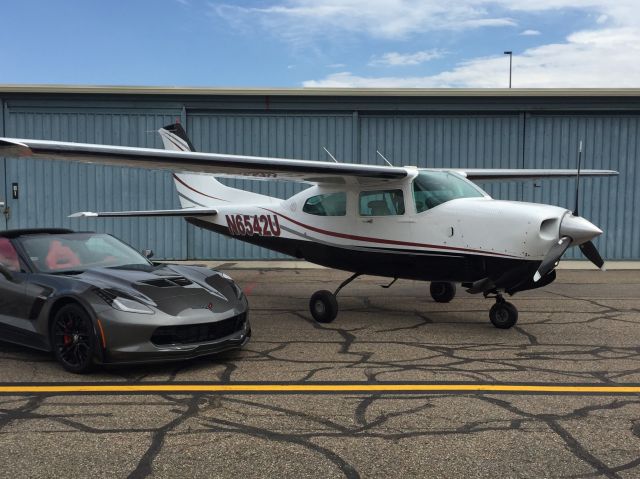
column 175, row 177
column 386, row 241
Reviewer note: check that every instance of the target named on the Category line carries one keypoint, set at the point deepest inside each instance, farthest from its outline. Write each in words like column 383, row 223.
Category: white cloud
column 593, row 58
column 297, row 20
column 406, row 59
column 300, row 20
column 530, row 33
column 336, row 65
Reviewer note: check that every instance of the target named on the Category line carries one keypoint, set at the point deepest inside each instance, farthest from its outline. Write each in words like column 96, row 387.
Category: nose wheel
column 503, row 315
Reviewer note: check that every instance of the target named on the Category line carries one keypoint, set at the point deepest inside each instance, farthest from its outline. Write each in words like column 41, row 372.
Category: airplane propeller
column 552, row 258
column 573, row 230
column 591, row 253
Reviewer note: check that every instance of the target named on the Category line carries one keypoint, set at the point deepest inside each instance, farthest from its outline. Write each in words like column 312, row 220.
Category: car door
column 17, row 298
column 12, row 310
column 4, row 201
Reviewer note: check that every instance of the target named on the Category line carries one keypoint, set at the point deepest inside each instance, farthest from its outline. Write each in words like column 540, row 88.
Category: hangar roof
column 319, row 92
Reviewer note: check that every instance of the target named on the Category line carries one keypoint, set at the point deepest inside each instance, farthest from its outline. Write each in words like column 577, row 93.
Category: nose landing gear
column 503, row 315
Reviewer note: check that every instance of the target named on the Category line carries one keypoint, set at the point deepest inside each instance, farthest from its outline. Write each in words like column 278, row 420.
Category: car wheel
column 73, row 339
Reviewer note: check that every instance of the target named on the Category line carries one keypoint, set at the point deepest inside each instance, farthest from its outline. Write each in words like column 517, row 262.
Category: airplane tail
column 202, row 190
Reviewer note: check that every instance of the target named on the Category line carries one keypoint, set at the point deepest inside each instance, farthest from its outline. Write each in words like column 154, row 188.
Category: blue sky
column 339, row 43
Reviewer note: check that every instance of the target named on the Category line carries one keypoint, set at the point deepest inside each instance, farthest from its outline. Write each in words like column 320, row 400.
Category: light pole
column 510, row 63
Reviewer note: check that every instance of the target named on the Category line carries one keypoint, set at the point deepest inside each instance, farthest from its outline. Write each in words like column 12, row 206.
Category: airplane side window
column 381, row 203
column 331, row 204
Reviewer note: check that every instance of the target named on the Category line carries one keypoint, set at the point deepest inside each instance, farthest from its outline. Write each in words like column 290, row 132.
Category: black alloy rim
column 71, row 336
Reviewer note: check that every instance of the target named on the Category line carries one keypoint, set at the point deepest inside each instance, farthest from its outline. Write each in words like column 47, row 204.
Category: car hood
column 172, row 289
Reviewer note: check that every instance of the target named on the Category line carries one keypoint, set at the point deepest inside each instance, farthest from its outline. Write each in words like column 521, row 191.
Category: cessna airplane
column 399, row 222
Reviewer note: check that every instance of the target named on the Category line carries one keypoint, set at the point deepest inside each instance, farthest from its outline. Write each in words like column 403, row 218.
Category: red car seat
column 8, row 255
column 61, row 257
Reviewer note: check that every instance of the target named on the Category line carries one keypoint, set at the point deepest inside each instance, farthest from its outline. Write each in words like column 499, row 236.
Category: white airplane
column 399, row 222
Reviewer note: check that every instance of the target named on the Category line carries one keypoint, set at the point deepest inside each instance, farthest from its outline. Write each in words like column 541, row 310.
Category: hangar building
column 426, row 128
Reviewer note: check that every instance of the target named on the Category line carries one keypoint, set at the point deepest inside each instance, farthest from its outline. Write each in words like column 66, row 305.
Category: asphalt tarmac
column 412, row 416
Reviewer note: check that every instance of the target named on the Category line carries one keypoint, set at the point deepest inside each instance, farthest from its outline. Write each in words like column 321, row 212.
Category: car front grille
column 197, row 333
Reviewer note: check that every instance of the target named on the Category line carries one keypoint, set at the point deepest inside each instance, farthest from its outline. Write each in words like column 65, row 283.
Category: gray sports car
column 89, row 298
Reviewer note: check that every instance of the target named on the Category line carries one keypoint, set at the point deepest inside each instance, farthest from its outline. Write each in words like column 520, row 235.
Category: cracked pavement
column 582, row 329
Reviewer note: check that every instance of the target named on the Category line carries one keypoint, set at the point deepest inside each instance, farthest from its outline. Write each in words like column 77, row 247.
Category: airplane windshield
column 432, row 188
column 77, row 252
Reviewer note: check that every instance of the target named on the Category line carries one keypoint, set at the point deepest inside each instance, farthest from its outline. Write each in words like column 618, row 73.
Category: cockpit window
column 432, row 188
column 331, row 204
column 381, row 203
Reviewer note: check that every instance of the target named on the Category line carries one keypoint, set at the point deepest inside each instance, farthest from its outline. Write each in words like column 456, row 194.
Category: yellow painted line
column 315, row 388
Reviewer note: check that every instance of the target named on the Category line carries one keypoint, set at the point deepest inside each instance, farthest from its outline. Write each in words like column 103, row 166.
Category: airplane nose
column 578, row 229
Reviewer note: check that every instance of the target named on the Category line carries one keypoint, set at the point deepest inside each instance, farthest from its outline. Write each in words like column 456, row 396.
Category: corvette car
column 91, row 299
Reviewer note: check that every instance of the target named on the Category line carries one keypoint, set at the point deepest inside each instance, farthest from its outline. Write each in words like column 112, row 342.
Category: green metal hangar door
column 426, row 128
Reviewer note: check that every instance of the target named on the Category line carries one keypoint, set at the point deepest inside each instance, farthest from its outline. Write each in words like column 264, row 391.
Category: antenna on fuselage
column 329, row 153
column 382, row 156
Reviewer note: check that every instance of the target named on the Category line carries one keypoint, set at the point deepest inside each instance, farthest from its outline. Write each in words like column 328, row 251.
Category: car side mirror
column 147, row 253
column 6, row 272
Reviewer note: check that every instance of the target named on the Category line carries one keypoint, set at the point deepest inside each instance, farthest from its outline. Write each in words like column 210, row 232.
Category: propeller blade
column 589, row 250
column 550, row 261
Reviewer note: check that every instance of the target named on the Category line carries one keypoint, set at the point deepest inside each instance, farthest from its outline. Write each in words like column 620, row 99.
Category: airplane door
column 382, row 213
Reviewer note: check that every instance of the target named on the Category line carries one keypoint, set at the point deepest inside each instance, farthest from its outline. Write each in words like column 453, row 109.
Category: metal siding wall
column 609, row 142
column 442, row 141
column 299, row 136
column 52, row 190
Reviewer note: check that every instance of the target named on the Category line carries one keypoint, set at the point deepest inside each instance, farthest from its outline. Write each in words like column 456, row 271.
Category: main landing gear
column 324, row 305
column 442, row 292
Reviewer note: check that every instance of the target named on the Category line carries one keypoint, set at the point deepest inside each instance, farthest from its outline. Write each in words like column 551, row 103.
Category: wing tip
column 11, row 147
column 83, row 214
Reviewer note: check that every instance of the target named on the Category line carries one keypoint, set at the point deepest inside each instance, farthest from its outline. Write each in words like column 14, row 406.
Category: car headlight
column 123, row 302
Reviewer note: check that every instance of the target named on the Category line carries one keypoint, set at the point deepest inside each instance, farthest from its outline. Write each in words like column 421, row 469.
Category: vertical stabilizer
column 201, row 190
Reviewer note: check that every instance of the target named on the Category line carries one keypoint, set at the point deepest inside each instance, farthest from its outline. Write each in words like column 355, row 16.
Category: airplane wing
column 477, row 174
column 253, row 167
column 184, row 212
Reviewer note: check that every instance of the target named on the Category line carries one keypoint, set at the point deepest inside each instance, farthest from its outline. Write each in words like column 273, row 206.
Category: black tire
column 503, row 315
column 323, row 306
column 73, row 339
column 442, row 291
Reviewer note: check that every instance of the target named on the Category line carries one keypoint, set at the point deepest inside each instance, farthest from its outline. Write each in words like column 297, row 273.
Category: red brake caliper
column 67, row 337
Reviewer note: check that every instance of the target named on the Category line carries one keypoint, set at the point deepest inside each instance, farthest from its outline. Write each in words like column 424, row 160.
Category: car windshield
column 77, row 252
column 432, row 188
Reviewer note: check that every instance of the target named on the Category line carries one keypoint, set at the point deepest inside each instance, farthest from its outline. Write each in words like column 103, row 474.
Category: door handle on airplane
column 370, row 220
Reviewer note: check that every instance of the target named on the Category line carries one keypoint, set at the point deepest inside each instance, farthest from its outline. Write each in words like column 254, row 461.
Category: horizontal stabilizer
column 184, row 212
